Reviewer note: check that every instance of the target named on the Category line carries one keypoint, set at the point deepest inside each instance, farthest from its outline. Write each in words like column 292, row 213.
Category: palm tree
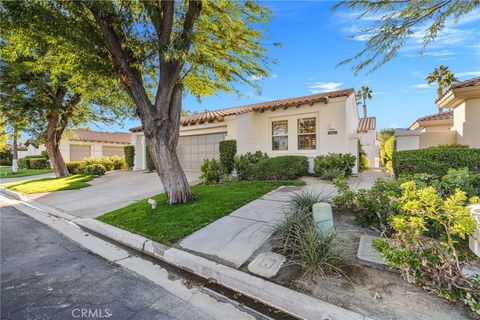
column 443, row 77
column 364, row 93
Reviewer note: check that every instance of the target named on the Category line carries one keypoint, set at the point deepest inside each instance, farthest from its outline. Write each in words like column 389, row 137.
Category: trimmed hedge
column 37, row 163
column 436, row 160
column 343, row 162
column 129, row 152
column 26, row 162
column 109, row 163
column 279, row 168
column 228, row 150
column 243, row 161
column 149, row 160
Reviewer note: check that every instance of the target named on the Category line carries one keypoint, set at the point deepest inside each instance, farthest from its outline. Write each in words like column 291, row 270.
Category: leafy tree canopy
column 400, row 20
column 38, row 61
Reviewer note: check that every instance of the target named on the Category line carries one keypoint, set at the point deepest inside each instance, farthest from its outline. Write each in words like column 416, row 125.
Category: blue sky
column 316, row 39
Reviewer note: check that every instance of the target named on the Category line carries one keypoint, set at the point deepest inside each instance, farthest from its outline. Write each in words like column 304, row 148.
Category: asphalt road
column 47, row 276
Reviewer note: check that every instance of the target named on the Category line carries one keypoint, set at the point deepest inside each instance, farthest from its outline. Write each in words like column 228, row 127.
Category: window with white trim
column 307, row 133
column 280, row 135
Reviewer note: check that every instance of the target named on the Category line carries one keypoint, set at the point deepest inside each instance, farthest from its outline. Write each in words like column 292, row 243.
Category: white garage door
column 78, row 152
column 192, row 150
column 112, row 151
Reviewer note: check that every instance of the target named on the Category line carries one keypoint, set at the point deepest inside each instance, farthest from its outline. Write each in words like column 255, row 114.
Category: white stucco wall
column 253, row 131
column 466, row 122
column 407, row 140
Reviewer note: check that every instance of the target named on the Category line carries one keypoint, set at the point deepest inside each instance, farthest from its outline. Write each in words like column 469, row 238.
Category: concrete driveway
column 112, row 191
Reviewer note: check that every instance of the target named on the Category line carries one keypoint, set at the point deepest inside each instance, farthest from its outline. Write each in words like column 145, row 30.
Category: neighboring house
column 22, row 150
column 308, row 126
column 460, row 124
column 78, row 144
column 368, row 138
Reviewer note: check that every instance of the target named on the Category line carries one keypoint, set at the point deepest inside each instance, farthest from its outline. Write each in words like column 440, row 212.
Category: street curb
column 48, row 209
column 12, row 194
column 287, row 300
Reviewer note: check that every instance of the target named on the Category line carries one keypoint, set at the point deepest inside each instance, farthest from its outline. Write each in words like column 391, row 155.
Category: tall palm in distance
column 444, row 79
column 364, row 93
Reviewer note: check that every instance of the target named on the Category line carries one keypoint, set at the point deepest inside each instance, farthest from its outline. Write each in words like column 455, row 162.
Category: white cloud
column 274, row 76
column 318, row 87
column 468, row 74
column 423, row 86
column 256, row 77
column 393, row 125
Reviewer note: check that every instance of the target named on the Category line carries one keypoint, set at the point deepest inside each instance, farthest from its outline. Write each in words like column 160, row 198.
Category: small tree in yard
column 198, row 47
column 49, row 80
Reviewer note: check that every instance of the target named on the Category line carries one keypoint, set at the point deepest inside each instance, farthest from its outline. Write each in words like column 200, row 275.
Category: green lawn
column 6, row 172
column 49, row 184
column 168, row 223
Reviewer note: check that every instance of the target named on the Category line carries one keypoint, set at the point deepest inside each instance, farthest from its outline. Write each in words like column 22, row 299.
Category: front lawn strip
column 6, row 172
column 49, row 184
column 169, row 223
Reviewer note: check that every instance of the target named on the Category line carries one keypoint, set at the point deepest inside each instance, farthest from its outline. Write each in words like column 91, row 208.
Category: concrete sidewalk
column 234, row 238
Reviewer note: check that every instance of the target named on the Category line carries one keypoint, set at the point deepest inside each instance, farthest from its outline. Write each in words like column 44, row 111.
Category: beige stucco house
column 459, row 124
column 308, row 126
column 78, row 144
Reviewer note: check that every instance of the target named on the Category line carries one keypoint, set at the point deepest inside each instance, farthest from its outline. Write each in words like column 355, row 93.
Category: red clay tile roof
column 437, row 116
column 464, row 84
column 365, row 124
column 97, row 136
column 210, row 116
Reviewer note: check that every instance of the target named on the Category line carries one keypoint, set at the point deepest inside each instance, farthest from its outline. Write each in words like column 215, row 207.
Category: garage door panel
column 79, row 152
column 192, row 150
column 111, row 151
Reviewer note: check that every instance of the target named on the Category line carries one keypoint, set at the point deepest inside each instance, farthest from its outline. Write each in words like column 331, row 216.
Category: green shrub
column 25, row 163
column 363, row 163
column 37, row 163
column 344, row 162
column 384, row 135
column 22, row 163
column 6, row 158
column 129, row 156
column 212, row 171
column 436, row 160
column 371, row 207
column 228, row 150
column 149, row 161
column 44, row 154
column 75, row 167
column 118, row 162
column 94, row 170
column 389, row 148
column 106, row 162
column 434, row 265
column 462, row 179
column 243, row 162
column 279, row 168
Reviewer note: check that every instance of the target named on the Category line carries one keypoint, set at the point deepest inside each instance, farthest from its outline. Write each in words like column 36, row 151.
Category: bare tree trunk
column 170, row 171
column 15, row 152
column 162, row 142
column 56, row 159
column 57, row 122
column 364, row 110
